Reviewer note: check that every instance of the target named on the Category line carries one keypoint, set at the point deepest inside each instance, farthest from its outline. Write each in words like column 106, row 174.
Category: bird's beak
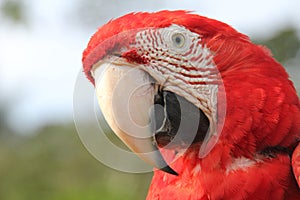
column 126, row 97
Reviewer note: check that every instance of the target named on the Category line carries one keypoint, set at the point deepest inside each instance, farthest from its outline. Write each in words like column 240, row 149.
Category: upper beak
column 126, row 97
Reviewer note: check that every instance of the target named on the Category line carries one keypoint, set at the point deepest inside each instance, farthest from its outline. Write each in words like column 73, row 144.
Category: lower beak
column 126, row 98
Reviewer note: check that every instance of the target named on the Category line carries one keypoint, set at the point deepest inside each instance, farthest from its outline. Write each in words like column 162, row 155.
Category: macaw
column 215, row 113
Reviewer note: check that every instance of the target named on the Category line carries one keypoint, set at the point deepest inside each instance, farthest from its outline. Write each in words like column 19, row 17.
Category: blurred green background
column 53, row 164
column 47, row 160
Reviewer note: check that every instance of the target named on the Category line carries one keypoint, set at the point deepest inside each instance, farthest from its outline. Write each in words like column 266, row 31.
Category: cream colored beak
column 126, row 97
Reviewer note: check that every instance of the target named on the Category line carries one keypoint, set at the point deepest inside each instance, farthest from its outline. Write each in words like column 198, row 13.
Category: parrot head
column 173, row 80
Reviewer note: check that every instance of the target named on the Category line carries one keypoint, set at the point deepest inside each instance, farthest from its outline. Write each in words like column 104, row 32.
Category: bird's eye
column 178, row 40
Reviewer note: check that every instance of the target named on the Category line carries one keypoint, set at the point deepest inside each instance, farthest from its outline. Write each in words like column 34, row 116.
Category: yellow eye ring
column 178, row 40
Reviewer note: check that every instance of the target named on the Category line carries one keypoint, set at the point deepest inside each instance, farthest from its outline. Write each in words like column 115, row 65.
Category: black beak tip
column 169, row 170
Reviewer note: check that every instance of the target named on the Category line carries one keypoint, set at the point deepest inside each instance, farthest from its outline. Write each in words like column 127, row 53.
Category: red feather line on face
column 133, row 56
column 208, row 28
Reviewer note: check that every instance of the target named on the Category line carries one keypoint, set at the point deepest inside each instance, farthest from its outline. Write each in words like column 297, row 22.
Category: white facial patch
column 177, row 50
column 181, row 63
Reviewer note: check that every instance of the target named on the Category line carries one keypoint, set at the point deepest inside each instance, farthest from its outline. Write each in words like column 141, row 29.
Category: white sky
column 39, row 63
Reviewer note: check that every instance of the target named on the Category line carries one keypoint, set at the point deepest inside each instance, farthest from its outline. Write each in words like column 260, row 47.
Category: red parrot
column 224, row 120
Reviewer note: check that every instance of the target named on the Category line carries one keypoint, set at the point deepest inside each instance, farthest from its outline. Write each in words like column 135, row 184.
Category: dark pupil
column 178, row 40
